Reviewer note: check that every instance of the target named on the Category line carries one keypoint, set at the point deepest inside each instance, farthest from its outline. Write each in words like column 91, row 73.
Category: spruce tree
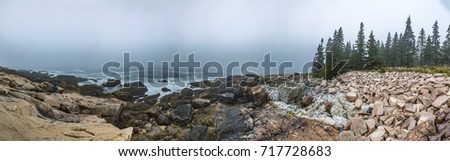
column 409, row 45
column 319, row 59
column 394, row 51
column 329, row 59
column 387, row 50
column 428, row 52
column 358, row 56
column 446, row 48
column 435, row 42
column 421, row 42
column 374, row 60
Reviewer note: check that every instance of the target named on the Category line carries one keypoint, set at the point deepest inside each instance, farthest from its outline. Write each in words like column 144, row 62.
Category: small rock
column 226, row 98
column 153, row 112
column 162, row 120
column 358, row 103
column 200, row 102
column 165, row 89
column 426, row 116
column 198, row 133
column 182, row 114
column 378, row 134
column 358, row 126
column 351, row 96
column 328, row 106
column 393, row 102
column 306, row 101
column 378, row 108
column 370, row 124
column 441, row 100
column 347, row 136
column 332, row 90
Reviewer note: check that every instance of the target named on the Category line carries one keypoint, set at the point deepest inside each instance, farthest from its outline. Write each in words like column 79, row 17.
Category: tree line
column 399, row 50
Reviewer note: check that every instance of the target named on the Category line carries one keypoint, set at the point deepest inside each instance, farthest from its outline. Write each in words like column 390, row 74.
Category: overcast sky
column 85, row 33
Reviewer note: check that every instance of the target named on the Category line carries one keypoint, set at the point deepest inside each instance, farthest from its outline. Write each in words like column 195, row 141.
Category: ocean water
column 154, row 86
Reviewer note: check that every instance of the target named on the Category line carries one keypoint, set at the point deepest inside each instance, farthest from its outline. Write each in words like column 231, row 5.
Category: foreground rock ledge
column 23, row 116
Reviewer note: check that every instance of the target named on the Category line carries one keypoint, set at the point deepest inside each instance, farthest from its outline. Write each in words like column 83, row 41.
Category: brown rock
column 306, row 101
column 422, row 131
column 378, row 134
column 441, row 100
column 378, row 108
column 358, row 126
column 351, row 96
column 358, row 103
column 332, row 90
column 370, row 124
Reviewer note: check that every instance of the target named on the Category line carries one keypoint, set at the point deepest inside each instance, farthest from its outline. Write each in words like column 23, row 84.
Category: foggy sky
column 49, row 34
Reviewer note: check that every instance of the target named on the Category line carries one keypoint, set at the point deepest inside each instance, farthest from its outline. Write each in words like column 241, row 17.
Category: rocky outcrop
column 26, row 113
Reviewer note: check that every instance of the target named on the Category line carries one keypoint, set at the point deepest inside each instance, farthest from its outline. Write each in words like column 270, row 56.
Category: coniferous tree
column 338, row 46
column 421, row 42
column 394, row 51
column 436, row 44
column 358, row 56
column 319, row 59
column 409, row 45
column 374, row 60
column 428, row 52
column 446, row 48
column 329, row 59
column 387, row 50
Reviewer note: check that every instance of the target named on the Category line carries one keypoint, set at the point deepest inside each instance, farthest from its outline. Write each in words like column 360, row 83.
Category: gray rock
column 440, row 100
column 182, row 114
column 198, row 133
column 231, row 124
column 163, row 120
column 200, row 102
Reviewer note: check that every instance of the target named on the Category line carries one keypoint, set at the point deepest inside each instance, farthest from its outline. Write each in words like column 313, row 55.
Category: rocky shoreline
column 360, row 106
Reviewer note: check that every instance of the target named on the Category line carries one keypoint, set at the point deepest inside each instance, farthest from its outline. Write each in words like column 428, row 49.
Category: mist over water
column 84, row 34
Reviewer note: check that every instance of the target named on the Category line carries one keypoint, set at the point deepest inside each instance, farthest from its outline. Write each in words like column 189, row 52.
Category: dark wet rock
column 163, row 120
column 187, row 92
column 111, row 83
column 165, row 89
column 182, row 114
column 200, row 103
column 153, row 112
column 174, row 99
column 227, row 98
column 131, row 91
column 206, row 84
column 92, row 90
column 152, row 99
column 198, row 133
column 211, row 94
column 231, row 124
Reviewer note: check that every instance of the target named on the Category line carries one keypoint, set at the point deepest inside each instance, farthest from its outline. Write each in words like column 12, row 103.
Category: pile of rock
column 395, row 105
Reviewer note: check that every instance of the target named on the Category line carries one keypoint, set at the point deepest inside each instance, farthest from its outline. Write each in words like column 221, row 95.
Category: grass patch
column 426, row 70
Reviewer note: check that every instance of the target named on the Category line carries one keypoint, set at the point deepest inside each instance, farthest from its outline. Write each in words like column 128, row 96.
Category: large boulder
column 291, row 94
